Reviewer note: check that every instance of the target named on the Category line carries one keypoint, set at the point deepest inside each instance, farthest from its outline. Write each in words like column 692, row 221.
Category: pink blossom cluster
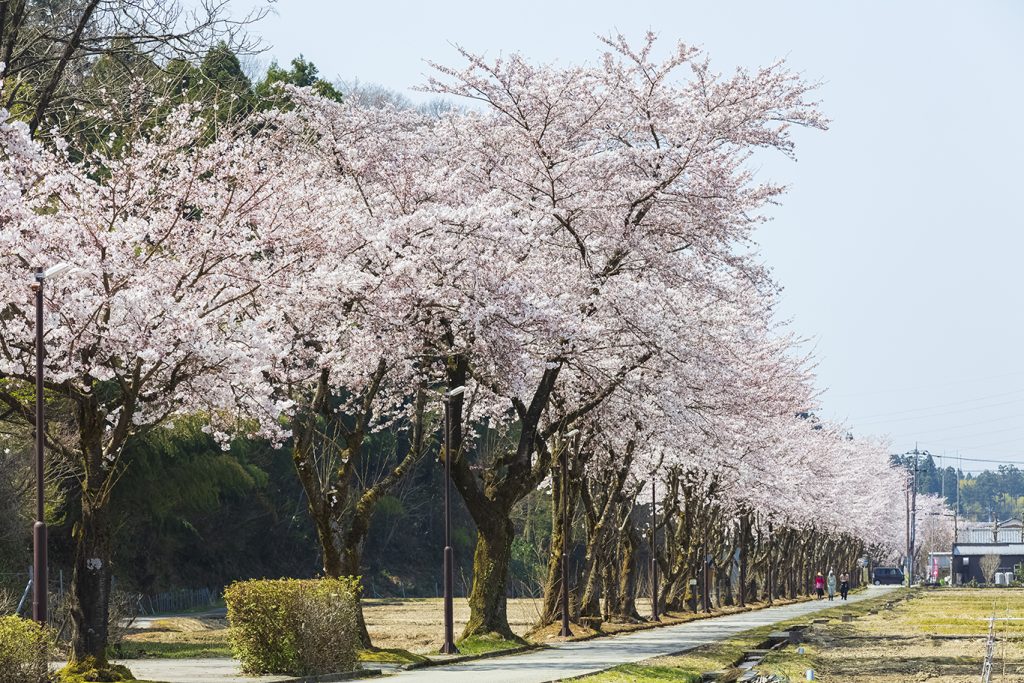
column 587, row 229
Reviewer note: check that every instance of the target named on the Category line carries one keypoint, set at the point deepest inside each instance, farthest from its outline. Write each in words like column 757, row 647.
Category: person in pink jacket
column 819, row 585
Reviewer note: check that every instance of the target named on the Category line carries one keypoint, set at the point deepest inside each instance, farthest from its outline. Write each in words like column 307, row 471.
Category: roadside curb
column 335, row 678
column 648, row 625
column 470, row 658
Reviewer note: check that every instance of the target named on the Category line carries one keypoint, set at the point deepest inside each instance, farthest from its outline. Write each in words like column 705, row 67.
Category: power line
column 910, row 389
column 995, row 460
column 939, row 414
column 942, row 405
column 1015, row 416
column 964, row 436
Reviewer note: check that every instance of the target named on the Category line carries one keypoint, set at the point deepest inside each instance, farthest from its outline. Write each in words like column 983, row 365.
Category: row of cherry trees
column 573, row 247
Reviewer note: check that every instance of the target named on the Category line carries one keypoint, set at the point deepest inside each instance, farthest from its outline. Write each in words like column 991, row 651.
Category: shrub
column 299, row 627
column 25, row 650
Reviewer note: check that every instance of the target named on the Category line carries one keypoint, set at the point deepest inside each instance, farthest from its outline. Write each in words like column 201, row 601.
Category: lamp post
column 654, row 556
column 448, row 648
column 566, row 632
column 704, row 581
column 39, row 562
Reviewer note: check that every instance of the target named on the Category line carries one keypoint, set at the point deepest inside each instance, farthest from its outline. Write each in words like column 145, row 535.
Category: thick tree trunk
column 744, row 544
column 91, row 575
column 351, row 565
column 590, row 594
column 625, row 608
column 610, row 583
column 487, row 599
column 90, row 585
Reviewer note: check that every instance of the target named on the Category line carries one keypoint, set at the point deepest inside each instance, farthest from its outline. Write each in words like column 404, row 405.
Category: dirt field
column 937, row 636
column 415, row 624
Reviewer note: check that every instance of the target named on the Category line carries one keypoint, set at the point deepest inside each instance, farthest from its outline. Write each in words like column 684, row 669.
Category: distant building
column 1004, row 540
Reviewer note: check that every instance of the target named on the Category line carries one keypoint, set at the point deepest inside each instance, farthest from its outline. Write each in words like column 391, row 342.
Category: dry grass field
column 412, row 624
column 415, row 624
column 934, row 635
column 937, row 636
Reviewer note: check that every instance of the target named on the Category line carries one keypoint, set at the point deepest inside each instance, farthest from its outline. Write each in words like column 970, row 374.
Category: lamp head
column 457, row 391
column 54, row 272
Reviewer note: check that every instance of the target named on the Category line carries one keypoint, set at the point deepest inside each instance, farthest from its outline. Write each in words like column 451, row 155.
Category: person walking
column 844, row 585
column 831, row 585
column 819, row 585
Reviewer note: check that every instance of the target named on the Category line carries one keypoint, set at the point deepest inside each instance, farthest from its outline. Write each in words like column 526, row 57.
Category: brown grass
column 937, row 636
column 415, row 624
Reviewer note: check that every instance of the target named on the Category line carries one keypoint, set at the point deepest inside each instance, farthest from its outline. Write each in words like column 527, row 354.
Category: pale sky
column 900, row 242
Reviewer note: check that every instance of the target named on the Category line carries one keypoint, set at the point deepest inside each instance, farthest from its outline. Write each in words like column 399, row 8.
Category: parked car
column 887, row 576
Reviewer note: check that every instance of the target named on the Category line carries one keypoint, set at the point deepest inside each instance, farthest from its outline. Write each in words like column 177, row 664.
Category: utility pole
column 911, row 502
column 942, row 469
column 906, row 500
column 913, row 516
column 956, row 519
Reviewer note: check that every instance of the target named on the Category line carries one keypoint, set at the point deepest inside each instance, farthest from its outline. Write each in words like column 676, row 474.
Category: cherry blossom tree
column 350, row 360
column 173, row 241
column 626, row 193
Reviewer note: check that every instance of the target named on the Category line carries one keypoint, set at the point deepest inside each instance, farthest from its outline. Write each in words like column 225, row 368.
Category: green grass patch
column 491, row 642
column 176, row 650
column 652, row 673
column 390, row 656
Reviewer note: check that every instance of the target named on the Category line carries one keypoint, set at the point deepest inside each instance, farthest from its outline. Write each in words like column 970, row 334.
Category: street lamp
column 654, row 557
column 566, row 632
column 448, row 648
column 39, row 563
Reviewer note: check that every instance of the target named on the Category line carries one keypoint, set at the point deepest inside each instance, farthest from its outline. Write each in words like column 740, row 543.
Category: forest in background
column 998, row 492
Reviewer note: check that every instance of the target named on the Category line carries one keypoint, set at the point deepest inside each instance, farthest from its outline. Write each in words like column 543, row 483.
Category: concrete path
column 576, row 659
column 206, row 670
column 561, row 660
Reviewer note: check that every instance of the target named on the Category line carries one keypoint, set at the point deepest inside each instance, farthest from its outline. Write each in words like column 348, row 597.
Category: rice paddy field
column 917, row 635
column 935, row 635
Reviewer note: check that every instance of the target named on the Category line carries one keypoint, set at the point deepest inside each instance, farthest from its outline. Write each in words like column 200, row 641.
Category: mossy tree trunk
column 624, row 607
column 487, row 598
column 99, row 448
column 491, row 495
column 491, row 489
column 90, row 584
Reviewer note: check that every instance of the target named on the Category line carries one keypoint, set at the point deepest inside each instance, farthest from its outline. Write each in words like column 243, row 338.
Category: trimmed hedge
column 291, row 626
column 25, row 651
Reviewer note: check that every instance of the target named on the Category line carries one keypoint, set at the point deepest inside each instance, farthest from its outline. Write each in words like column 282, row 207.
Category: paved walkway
column 576, row 659
column 560, row 661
